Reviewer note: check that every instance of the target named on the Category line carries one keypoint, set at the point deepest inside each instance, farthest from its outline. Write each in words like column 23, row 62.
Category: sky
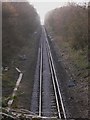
column 43, row 6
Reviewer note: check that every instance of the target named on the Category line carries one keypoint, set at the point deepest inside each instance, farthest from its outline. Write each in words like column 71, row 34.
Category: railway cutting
column 46, row 97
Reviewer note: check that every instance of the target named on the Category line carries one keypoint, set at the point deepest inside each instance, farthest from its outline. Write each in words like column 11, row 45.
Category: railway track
column 50, row 102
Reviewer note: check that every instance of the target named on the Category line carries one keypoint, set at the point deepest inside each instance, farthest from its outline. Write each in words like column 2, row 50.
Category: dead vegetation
column 19, row 23
column 68, row 27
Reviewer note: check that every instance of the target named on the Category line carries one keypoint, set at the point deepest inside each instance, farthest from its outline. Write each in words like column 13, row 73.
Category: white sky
column 43, row 6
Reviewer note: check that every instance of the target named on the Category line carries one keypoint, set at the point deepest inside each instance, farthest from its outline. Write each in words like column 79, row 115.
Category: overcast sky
column 43, row 6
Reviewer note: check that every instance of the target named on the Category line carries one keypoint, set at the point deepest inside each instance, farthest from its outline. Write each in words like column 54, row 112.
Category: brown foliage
column 19, row 21
column 70, row 22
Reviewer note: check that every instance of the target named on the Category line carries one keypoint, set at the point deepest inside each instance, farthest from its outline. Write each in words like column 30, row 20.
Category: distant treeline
column 19, row 21
column 71, row 23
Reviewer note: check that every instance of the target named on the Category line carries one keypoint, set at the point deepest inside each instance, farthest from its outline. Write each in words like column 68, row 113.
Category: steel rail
column 55, row 81
column 40, row 94
column 55, row 90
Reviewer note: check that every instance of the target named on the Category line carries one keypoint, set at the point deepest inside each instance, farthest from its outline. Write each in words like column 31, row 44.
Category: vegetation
column 19, row 23
column 70, row 22
column 20, row 20
column 69, row 25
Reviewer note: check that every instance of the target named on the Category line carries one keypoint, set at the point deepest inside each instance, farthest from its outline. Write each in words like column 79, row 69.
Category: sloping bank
column 67, row 28
column 21, row 31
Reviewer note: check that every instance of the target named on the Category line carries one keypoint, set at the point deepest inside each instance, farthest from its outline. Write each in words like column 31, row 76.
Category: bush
column 71, row 23
column 19, row 21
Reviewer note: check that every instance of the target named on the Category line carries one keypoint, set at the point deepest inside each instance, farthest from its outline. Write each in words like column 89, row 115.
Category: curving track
column 46, row 98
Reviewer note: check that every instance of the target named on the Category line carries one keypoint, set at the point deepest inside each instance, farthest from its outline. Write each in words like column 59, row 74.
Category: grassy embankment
column 69, row 26
column 19, row 22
